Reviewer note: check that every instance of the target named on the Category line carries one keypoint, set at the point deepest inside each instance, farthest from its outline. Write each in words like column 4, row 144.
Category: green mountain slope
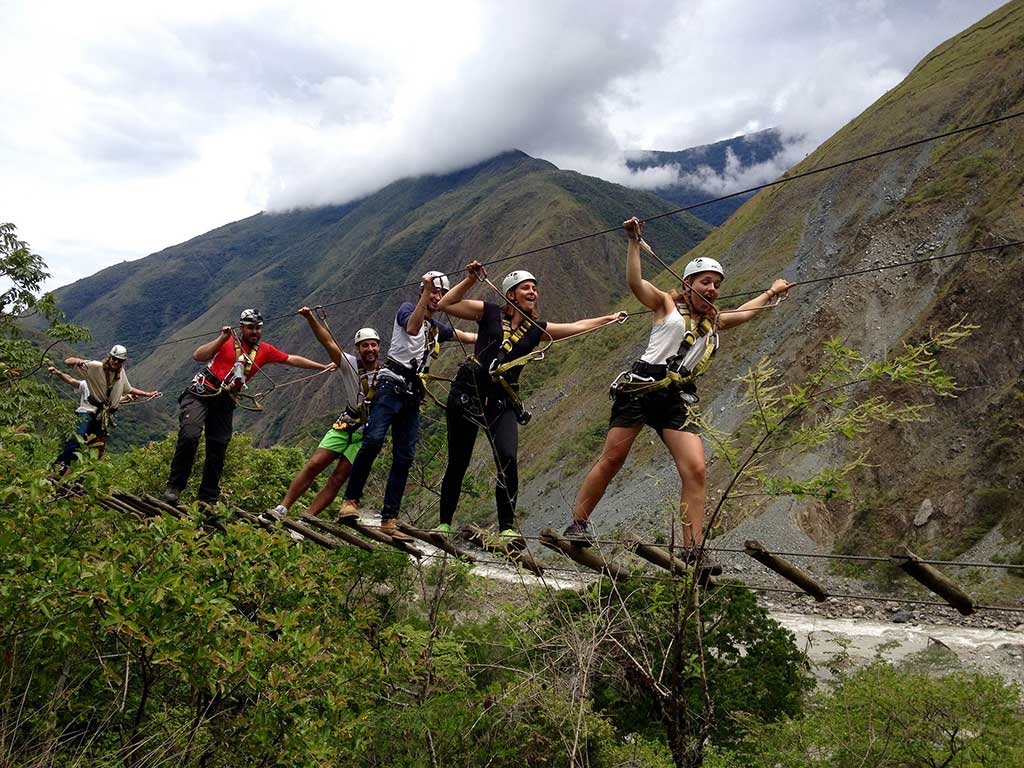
column 278, row 262
column 942, row 197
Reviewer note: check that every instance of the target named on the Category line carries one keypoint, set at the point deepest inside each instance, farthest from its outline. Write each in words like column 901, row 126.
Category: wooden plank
column 338, row 532
column 934, row 580
column 585, row 556
column 786, row 570
column 438, row 540
column 491, row 542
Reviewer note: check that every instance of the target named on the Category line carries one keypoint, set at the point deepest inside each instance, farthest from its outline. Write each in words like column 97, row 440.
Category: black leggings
column 503, row 429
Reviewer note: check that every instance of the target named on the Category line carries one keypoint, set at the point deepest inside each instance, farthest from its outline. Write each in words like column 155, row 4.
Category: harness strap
column 509, row 339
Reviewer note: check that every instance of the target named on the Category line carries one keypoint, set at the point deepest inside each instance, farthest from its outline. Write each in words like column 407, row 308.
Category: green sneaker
column 444, row 528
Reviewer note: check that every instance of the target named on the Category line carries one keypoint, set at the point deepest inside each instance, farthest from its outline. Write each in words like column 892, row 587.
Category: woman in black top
column 484, row 396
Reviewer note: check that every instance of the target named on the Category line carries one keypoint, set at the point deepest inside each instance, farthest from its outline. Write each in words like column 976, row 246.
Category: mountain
column 710, row 160
column 280, row 261
column 963, row 468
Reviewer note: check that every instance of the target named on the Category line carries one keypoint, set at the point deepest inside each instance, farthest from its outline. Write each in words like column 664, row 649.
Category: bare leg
column 688, row 452
column 332, row 487
column 616, row 448
column 300, row 483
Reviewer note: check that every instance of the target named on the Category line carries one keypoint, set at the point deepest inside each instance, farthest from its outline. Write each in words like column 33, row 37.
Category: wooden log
column 377, row 535
column 786, row 570
column 585, row 556
column 338, row 532
column 663, row 558
column 490, row 542
column 438, row 540
column 141, row 504
column 119, row 506
column 161, row 504
column 934, row 580
column 304, row 530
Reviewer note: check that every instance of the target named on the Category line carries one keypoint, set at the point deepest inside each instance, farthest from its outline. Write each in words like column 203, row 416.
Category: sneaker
column 274, row 516
column 579, row 533
column 295, row 535
column 512, row 538
column 444, row 528
column 349, row 511
column 171, row 495
column 390, row 527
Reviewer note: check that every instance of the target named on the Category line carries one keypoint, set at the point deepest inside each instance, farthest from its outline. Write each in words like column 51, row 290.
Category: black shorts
column 660, row 409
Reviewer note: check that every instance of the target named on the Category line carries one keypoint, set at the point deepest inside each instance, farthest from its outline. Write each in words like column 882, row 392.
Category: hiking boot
column 171, row 495
column 390, row 527
column 579, row 533
column 273, row 516
column 349, row 511
column 443, row 528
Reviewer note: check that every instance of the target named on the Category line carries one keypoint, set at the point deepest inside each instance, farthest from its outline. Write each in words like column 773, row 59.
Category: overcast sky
column 131, row 126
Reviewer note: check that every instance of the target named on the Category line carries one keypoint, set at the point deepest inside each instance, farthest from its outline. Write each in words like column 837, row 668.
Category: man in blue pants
column 415, row 340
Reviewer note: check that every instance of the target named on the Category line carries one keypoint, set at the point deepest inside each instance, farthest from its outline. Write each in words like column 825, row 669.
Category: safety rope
column 782, row 180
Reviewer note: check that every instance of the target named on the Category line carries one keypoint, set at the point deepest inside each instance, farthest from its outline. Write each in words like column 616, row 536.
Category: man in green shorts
column 342, row 441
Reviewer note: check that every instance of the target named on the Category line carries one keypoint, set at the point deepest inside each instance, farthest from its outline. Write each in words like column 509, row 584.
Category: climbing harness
column 206, row 384
column 691, row 360
column 353, row 419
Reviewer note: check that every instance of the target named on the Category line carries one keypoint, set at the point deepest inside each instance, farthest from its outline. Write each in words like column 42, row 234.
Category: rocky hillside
column 278, row 262
column 944, row 485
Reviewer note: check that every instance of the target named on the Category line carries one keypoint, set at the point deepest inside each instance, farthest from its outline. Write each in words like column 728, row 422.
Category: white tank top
column 666, row 338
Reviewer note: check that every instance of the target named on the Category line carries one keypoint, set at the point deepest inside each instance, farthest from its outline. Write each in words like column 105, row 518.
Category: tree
column 27, row 404
column 888, row 718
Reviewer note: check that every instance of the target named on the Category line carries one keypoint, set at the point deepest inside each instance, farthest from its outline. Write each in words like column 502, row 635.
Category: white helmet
column 118, row 352
column 440, row 280
column 251, row 317
column 703, row 264
column 512, row 279
column 365, row 334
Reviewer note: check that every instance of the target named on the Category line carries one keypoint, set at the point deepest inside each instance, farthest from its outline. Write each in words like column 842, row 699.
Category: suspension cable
column 782, row 180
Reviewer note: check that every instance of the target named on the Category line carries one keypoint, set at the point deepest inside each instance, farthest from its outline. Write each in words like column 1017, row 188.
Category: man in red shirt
column 209, row 401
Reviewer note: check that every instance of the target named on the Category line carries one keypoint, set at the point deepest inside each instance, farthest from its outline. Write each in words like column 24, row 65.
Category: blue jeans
column 90, row 431
column 395, row 407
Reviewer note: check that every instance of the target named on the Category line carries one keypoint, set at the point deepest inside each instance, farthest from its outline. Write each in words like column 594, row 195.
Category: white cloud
column 130, row 126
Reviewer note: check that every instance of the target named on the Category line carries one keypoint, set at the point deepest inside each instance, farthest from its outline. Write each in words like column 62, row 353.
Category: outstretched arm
column 298, row 361
column 559, row 331
column 752, row 308
column 455, row 302
column 143, row 393
column 649, row 294
column 323, row 335
column 206, row 352
column 71, row 381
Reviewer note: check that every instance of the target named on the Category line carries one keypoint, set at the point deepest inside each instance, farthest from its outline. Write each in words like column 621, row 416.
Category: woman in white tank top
column 663, row 405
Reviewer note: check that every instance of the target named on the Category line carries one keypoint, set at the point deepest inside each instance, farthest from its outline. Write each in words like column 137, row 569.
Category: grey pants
column 215, row 414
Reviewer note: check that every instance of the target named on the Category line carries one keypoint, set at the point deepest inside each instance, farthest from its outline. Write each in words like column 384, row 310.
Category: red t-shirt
column 225, row 358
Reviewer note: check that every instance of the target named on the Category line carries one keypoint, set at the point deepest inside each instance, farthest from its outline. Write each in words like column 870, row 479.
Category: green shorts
column 342, row 441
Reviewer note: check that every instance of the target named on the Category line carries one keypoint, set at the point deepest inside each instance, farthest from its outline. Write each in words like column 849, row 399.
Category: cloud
column 130, row 126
